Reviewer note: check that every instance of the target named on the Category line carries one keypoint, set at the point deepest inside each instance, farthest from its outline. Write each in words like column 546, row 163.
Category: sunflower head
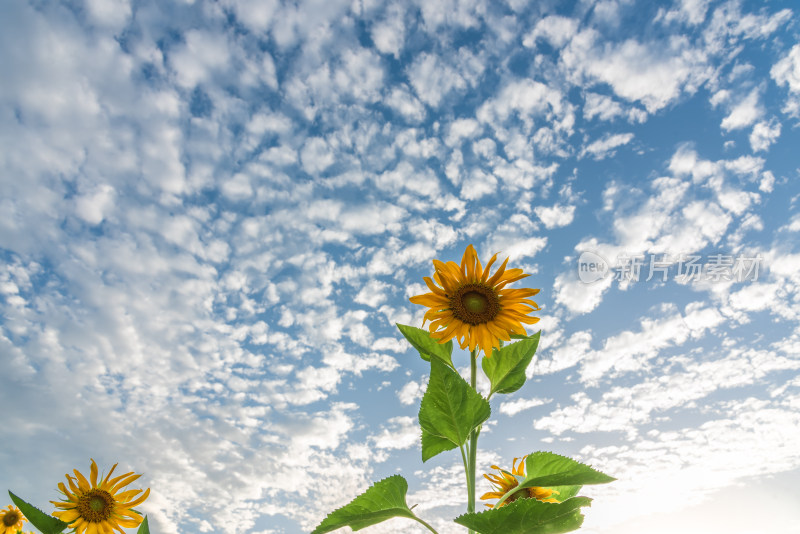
column 99, row 507
column 506, row 481
column 11, row 520
column 477, row 309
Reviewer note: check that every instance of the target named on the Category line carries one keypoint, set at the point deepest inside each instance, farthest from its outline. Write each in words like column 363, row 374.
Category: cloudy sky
column 212, row 214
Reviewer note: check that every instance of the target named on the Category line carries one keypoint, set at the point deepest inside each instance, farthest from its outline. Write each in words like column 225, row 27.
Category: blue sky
column 213, row 213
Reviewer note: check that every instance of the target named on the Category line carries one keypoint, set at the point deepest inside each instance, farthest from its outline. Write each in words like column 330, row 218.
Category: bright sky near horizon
column 212, row 214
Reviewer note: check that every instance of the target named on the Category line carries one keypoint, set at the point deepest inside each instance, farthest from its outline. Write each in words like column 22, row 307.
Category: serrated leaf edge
column 363, row 493
column 525, row 482
column 518, row 503
column 468, row 393
column 492, row 390
column 449, row 344
column 17, row 500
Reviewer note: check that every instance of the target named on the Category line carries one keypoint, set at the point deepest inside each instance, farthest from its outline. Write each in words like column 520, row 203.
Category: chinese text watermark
column 660, row 267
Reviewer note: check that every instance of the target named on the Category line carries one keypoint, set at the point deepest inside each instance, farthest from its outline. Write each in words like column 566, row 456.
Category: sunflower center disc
column 475, row 302
column 96, row 505
column 10, row 519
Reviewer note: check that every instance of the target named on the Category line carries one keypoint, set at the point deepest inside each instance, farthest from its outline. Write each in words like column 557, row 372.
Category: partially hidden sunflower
column 506, row 481
column 11, row 520
column 477, row 309
column 94, row 508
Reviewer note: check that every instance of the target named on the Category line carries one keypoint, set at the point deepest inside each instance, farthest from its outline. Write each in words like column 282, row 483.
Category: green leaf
column 528, row 516
column 433, row 445
column 450, row 408
column 427, row 346
column 550, row 470
column 144, row 528
column 382, row 501
column 506, row 368
column 42, row 521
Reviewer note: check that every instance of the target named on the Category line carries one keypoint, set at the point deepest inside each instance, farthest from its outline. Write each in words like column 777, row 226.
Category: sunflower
column 477, row 309
column 98, row 508
column 11, row 520
column 506, row 481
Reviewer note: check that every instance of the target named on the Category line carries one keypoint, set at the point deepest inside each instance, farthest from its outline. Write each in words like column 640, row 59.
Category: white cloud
column 689, row 11
column 745, row 113
column 389, row 34
column 654, row 73
column 410, row 393
column 576, row 295
column 629, row 351
column 433, row 79
column 604, row 148
column 197, row 60
column 622, row 408
column 555, row 216
column 402, row 101
column 316, row 156
column 462, row 129
column 787, row 70
column 237, row 188
column 764, row 134
column 95, row 207
column 605, row 108
column 361, row 75
column 109, row 13
column 372, row 294
column 402, row 433
column 756, row 296
column 514, row 407
column 555, row 29
column 527, row 99
column 257, row 15
column 478, row 184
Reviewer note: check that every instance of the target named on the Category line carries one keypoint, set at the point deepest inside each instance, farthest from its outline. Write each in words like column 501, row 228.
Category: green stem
column 426, row 525
column 466, row 465
column 473, row 439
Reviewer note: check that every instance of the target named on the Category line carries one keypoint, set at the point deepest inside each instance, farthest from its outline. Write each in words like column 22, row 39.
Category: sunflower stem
column 464, row 459
column 426, row 525
column 473, row 439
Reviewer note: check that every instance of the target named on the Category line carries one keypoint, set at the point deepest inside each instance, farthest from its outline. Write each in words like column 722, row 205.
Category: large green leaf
column 450, row 408
column 528, row 516
column 433, row 445
column 42, row 521
column 550, row 470
column 144, row 528
column 382, row 501
column 506, row 368
column 427, row 346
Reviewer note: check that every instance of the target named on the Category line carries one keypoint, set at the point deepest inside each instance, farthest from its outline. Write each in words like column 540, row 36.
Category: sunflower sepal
column 528, row 516
column 553, row 471
column 46, row 523
column 427, row 346
column 506, row 369
column 383, row 500
column 144, row 528
column 450, row 408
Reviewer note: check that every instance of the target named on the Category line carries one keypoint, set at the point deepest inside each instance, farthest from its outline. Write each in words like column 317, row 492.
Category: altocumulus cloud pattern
column 212, row 213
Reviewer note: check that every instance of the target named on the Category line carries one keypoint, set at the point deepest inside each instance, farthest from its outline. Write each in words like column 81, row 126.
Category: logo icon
column 591, row 267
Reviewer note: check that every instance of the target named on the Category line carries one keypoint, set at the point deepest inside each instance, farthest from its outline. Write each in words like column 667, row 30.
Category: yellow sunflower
column 99, row 508
column 506, row 481
column 11, row 520
column 479, row 310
